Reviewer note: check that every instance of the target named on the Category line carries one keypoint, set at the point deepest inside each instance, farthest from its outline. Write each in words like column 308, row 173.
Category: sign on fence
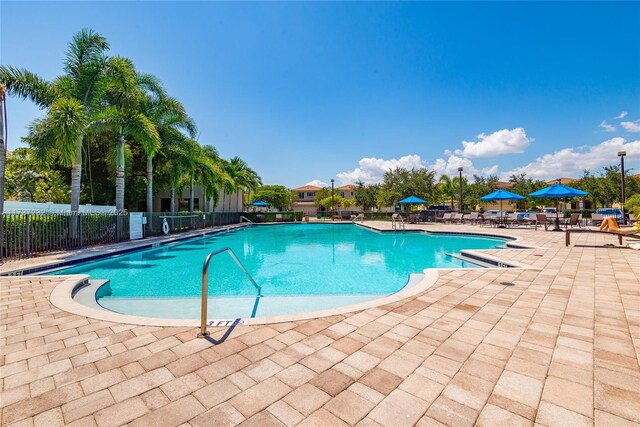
column 135, row 225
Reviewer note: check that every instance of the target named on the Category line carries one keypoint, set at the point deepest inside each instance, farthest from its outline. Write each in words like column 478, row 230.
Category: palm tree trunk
column 191, row 200
column 238, row 202
column 120, row 180
column 224, row 193
column 173, row 204
column 76, row 179
column 149, row 194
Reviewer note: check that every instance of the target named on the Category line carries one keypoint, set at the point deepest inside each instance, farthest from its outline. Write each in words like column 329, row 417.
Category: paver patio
column 559, row 347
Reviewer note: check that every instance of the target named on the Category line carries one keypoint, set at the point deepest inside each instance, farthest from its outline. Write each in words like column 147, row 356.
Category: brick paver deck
column 559, row 347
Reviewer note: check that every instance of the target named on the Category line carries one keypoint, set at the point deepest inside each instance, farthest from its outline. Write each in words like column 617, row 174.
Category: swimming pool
column 300, row 267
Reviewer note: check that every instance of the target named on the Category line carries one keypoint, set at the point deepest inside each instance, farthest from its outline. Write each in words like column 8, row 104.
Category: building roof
column 307, row 188
column 347, row 187
column 563, row 181
column 501, row 185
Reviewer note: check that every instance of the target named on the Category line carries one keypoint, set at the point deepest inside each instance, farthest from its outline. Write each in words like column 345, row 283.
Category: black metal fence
column 26, row 235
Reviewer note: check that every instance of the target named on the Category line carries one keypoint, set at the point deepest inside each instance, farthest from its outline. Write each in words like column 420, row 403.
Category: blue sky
column 314, row 91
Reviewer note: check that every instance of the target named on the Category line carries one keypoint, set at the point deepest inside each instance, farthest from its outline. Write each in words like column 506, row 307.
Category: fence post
column 27, row 237
column 81, row 226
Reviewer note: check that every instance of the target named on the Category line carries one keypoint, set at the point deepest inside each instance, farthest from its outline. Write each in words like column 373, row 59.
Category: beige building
column 304, row 198
column 227, row 203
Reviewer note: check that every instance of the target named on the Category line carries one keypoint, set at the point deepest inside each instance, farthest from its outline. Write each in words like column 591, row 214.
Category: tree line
column 108, row 127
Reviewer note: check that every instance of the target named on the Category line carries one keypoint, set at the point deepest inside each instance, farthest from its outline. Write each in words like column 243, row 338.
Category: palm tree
column 70, row 101
column 213, row 176
column 124, row 118
column 170, row 119
column 448, row 187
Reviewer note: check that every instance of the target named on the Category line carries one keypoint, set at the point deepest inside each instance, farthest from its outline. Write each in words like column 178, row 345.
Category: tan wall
column 230, row 203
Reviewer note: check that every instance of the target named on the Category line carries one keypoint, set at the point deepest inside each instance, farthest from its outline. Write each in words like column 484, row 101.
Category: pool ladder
column 205, row 286
column 397, row 222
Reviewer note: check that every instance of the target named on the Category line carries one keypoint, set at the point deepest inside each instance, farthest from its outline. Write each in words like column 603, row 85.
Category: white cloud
column 371, row 170
column 622, row 115
column 317, row 183
column 500, row 142
column 631, row 126
column 607, row 127
column 450, row 167
column 572, row 161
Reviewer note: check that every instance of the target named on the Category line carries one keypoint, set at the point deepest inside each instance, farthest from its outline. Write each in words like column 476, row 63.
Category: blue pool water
column 285, row 260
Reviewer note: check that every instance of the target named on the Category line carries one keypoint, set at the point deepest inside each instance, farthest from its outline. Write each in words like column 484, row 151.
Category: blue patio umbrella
column 412, row 199
column 558, row 191
column 259, row 203
column 501, row 195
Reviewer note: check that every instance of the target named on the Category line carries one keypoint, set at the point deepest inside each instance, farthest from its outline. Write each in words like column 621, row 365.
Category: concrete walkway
column 558, row 347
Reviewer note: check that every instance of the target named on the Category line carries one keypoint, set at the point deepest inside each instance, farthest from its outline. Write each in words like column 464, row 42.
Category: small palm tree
column 448, row 187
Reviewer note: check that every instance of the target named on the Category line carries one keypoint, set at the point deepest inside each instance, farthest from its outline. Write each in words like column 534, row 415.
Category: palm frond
column 26, row 85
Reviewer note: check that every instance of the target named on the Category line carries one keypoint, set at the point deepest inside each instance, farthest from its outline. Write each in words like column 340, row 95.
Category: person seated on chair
column 610, row 224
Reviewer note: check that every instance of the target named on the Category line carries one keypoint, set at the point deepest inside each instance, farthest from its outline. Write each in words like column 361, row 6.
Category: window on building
column 352, row 193
column 311, row 194
column 342, row 194
column 301, row 195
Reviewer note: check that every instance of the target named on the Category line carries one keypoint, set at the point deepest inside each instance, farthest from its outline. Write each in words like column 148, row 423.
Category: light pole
column 460, row 170
column 621, row 154
column 332, row 204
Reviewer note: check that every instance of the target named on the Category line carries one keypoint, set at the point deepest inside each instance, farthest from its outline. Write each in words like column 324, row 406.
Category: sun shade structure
column 558, row 191
column 412, row 199
column 501, row 195
column 260, row 203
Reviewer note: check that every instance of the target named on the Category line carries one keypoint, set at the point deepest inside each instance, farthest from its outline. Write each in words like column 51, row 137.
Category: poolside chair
column 445, row 217
column 541, row 219
column 412, row 218
column 596, row 219
column 632, row 218
column 472, row 217
column 573, row 220
column 279, row 218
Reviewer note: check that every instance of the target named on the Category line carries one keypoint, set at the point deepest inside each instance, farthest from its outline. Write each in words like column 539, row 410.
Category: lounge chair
column 472, row 217
column 279, row 218
column 596, row 219
column 445, row 217
column 456, row 218
column 590, row 230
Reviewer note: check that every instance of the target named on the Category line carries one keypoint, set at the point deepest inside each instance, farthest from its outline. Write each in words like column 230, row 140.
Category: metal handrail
column 205, row 286
column 396, row 219
column 358, row 217
column 245, row 219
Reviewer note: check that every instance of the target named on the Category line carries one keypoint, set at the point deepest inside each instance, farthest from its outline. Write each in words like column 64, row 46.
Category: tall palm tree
column 171, row 121
column 70, row 101
column 123, row 116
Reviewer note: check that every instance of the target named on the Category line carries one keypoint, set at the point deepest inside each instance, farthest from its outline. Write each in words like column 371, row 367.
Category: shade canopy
column 412, row 199
column 558, row 191
column 259, row 203
column 501, row 195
